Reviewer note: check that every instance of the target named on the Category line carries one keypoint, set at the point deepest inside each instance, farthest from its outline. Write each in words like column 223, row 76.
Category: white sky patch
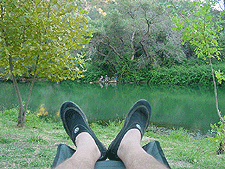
column 218, row 6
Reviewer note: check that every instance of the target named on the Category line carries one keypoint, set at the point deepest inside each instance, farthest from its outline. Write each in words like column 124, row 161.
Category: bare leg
column 86, row 155
column 133, row 155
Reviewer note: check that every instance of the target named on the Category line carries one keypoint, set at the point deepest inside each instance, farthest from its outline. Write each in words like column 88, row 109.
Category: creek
column 192, row 108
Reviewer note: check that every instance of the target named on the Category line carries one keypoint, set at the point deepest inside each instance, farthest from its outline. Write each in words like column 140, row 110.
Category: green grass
column 35, row 145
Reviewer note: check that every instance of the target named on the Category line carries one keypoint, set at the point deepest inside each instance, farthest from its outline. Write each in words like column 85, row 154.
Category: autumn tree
column 38, row 39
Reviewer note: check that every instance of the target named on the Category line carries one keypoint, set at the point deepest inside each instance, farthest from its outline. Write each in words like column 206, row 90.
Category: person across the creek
column 106, row 78
column 100, row 79
column 125, row 147
column 115, row 77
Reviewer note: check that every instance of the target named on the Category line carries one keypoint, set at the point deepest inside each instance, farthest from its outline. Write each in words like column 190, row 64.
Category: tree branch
column 19, row 122
column 143, row 47
column 114, row 50
column 101, row 52
column 132, row 44
column 31, row 86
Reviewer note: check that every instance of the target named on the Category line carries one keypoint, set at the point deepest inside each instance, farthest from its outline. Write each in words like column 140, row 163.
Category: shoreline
column 166, row 131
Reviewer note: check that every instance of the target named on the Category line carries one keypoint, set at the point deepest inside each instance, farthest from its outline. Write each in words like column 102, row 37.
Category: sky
column 220, row 5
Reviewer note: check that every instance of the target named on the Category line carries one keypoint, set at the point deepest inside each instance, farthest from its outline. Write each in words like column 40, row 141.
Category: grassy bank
column 34, row 146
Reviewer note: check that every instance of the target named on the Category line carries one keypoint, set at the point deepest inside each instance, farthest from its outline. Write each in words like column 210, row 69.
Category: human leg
column 126, row 146
column 133, row 155
column 86, row 155
column 89, row 148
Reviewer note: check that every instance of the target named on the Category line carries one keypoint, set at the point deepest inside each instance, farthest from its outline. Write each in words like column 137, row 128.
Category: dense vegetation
column 134, row 39
column 187, row 74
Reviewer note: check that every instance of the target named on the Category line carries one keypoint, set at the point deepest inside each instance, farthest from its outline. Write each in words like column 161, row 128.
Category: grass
column 35, row 145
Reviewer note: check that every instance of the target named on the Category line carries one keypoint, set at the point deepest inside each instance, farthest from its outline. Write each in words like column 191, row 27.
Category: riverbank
column 192, row 74
column 35, row 145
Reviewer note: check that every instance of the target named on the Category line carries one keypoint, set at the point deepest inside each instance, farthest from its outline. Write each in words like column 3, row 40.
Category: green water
column 172, row 106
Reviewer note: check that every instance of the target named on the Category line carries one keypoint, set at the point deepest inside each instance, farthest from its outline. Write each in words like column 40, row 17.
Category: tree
column 38, row 39
column 202, row 30
column 132, row 36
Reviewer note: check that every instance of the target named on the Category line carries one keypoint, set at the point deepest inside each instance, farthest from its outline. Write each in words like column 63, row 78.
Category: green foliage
column 201, row 29
column 93, row 74
column 40, row 39
column 10, row 114
column 220, row 77
column 183, row 75
column 219, row 136
column 4, row 140
column 41, row 36
column 221, row 42
column 32, row 119
column 111, row 123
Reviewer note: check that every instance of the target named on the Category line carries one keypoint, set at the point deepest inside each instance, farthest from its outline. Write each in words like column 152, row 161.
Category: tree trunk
column 20, row 122
column 20, row 115
column 217, row 105
column 215, row 91
column 28, row 98
column 132, row 45
column 23, row 114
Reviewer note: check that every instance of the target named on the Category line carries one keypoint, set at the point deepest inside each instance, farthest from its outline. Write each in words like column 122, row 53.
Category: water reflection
column 114, row 85
column 171, row 105
column 101, row 85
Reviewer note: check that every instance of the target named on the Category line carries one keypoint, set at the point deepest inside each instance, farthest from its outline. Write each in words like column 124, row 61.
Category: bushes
column 93, row 74
column 181, row 75
column 177, row 75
